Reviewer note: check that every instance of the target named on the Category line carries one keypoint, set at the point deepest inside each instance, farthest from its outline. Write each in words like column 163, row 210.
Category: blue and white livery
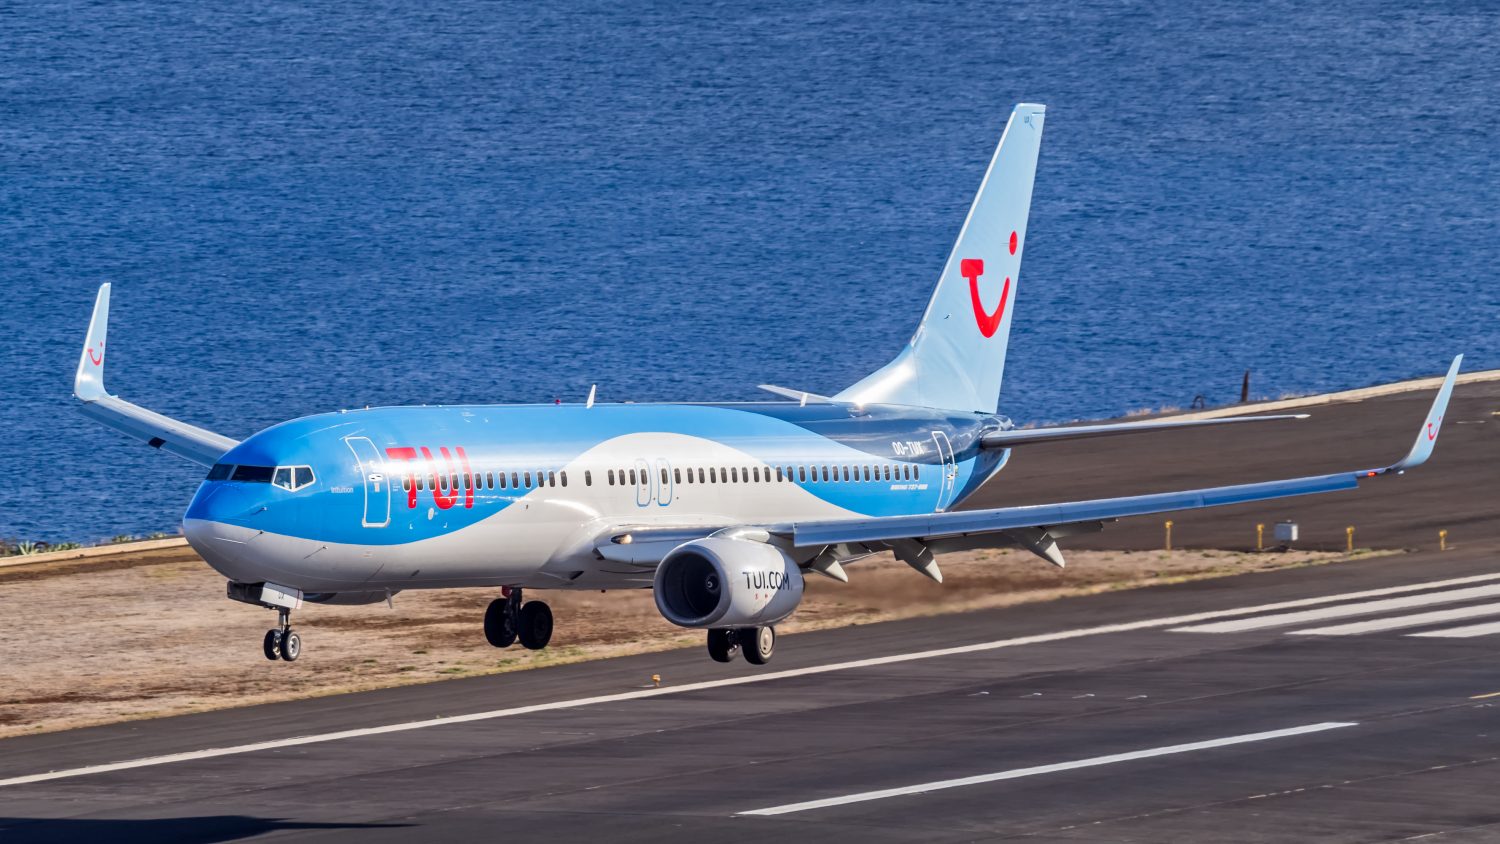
column 721, row 508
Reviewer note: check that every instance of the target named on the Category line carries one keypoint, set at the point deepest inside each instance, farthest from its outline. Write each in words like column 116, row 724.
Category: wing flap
column 966, row 522
column 1030, row 436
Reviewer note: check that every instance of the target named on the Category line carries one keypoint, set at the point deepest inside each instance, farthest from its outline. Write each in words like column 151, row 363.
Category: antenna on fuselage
column 592, row 389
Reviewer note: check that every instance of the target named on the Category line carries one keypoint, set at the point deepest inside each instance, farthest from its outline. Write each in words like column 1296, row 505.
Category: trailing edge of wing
column 159, row 431
column 931, row 525
column 1028, row 436
column 961, row 523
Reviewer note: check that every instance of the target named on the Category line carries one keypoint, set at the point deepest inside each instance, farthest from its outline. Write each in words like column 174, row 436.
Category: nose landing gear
column 507, row 620
column 282, row 642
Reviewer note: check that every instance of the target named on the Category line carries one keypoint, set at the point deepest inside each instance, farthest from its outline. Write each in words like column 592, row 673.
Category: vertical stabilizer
column 955, row 359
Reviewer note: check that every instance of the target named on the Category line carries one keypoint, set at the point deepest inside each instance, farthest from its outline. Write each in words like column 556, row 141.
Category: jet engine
column 725, row 583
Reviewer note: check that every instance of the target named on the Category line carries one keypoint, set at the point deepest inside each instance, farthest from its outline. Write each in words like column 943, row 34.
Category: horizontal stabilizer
column 797, row 395
column 158, row 431
column 1030, row 436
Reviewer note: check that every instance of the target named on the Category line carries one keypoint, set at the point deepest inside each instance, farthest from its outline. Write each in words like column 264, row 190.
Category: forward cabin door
column 377, row 486
column 643, row 484
column 948, row 470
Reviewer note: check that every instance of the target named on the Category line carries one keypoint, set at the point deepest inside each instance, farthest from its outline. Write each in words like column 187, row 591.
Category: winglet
column 88, row 384
column 1427, row 436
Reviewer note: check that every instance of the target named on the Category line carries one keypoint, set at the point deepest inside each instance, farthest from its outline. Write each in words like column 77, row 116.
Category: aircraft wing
column 1028, row 436
column 158, row 431
column 1029, row 524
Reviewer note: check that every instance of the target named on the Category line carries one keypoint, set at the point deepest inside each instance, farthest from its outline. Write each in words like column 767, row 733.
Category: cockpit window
column 292, row 478
column 220, row 471
column 253, row 474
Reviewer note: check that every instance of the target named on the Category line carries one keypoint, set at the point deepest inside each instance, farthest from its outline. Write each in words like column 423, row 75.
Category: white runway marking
column 276, row 744
column 1018, row 773
column 1400, row 621
column 1462, row 632
column 1367, row 608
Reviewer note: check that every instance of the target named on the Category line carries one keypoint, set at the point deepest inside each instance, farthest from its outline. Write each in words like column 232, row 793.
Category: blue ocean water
column 319, row 205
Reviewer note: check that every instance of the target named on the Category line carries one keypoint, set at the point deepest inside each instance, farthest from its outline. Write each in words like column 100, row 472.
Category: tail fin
column 957, row 356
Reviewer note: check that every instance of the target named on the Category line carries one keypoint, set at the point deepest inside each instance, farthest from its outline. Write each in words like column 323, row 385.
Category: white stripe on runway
column 1018, row 773
column 1343, row 611
column 276, row 744
column 1400, row 621
column 1462, row 632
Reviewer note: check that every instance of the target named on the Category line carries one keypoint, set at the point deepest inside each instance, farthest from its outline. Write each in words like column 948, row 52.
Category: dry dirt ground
column 151, row 633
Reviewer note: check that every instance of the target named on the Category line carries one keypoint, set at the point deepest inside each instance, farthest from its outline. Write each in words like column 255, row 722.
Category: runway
column 1350, row 702
column 1127, row 716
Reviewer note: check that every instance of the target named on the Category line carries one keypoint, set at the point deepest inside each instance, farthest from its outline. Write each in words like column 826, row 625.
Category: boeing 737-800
column 722, row 509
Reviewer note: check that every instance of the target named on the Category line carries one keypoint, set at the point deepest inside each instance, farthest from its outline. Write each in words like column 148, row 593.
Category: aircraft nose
column 225, row 547
column 218, row 525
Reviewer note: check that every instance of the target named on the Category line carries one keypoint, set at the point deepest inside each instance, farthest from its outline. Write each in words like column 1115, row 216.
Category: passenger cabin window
column 588, row 478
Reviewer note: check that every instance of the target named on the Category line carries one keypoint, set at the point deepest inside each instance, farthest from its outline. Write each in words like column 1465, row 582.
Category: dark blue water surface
column 307, row 206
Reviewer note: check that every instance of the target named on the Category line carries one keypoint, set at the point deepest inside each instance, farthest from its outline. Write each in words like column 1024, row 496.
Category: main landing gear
column 282, row 642
column 756, row 643
column 508, row 619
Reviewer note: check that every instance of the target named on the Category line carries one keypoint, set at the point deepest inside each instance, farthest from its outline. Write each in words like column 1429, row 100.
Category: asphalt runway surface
column 1358, row 701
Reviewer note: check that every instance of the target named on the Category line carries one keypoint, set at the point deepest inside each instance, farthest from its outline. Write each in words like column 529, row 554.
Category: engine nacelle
column 717, row 582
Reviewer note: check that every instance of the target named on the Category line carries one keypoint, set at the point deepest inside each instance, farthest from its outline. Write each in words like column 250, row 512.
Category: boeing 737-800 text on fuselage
column 722, row 509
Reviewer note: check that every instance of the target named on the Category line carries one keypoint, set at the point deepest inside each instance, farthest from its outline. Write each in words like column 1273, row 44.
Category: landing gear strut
column 282, row 642
column 756, row 643
column 507, row 619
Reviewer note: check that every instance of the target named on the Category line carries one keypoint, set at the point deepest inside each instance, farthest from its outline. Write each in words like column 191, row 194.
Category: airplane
column 723, row 509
